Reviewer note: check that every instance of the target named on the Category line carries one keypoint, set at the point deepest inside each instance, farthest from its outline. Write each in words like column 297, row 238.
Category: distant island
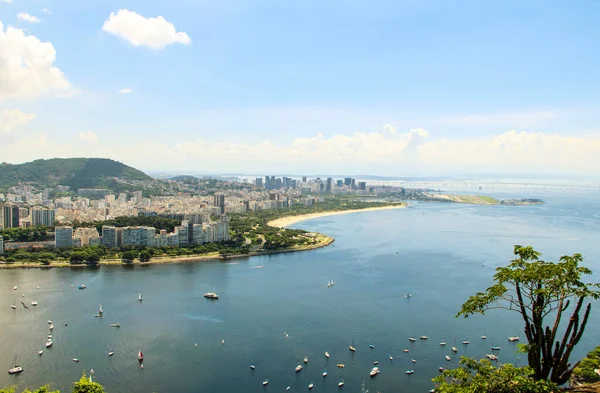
column 476, row 199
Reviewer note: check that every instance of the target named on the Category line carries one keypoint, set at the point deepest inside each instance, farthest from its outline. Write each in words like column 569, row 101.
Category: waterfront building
column 9, row 216
column 63, row 237
column 40, row 216
column 182, row 234
column 86, row 234
column 109, row 236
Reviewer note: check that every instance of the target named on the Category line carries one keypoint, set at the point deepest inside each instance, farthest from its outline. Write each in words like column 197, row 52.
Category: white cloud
column 88, row 137
column 125, row 91
column 27, row 66
column 10, row 119
column 46, row 11
column 518, row 119
column 154, row 33
column 24, row 16
column 7, row 1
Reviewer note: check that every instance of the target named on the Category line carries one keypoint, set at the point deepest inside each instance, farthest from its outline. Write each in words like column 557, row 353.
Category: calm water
column 441, row 253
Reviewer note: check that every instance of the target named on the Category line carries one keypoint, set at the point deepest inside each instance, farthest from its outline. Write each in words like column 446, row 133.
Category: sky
column 380, row 87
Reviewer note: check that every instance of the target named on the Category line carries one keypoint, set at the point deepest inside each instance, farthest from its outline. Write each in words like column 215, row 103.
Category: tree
column 85, row 385
column 93, row 259
column 128, row 256
column 145, row 256
column 77, row 257
column 43, row 389
column 473, row 377
column 541, row 292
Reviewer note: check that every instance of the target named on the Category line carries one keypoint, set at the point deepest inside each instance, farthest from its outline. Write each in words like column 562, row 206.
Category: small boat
column 211, row 295
column 22, row 295
column 196, row 345
column 140, row 356
column 513, row 339
column 49, row 343
column 391, row 358
column 409, row 372
column 374, row 371
column 75, row 360
column 352, row 347
column 328, row 284
column 34, row 303
column 13, row 307
column 424, row 338
column 494, row 348
column 40, row 352
column 49, row 336
column 376, row 362
column 491, row 357
column 442, row 344
column 141, row 365
column 265, row 382
column 332, row 283
column 82, row 286
column 298, row 368
column 15, row 288
column 49, row 322
column 341, row 365
column 111, row 352
column 310, row 386
column 305, row 359
column 412, row 339
column 51, row 327
column 483, row 337
column 252, row 366
column 405, row 350
column 140, row 298
column 371, row 346
column 100, row 310
column 115, row 325
column 327, row 354
column 447, row 358
column 454, row 349
column 441, row 369
column 16, row 368
column 466, row 342
column 325, row 372
column 340, row 383
column 408, row 295
column 413, row 360
column 222, row 342
column 288, row 388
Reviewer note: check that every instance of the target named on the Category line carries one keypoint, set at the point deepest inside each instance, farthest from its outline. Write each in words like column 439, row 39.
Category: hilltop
column 75, row 173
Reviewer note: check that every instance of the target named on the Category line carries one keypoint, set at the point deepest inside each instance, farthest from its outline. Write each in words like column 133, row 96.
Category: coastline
column 323, row 241
column 291, row 220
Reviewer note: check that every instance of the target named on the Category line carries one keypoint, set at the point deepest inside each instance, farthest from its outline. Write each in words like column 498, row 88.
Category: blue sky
column 307, row 85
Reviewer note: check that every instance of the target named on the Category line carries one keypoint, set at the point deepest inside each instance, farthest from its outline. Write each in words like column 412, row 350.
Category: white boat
column 374, row 371
column 40, row 352
column 111, row 352
column 483, row 337
column 424, row 338
column 413, row 360
column 409, row 372
column 211, row 295
column 491, row 357
column 140, row 298
column 327, row 354
column 298, row 368
column 391, row 358
column 34, row 303
column 100, row 310
column 115, row 325
column 305, row 359
column 441, row 369
column 51, row 327
column 328, row 284
column 13, row 307
column 15, row 288
column 376, row 362
column 252, row 367
column 454, row 349
column 447, row 358
column 331, row 282
column 265, row 382
column 340, row 383
column 288, row 388
column 82, row 286
column 405, row 350
column 16, row 368
column 49, row 322
column 513, row 339
column 352, row 347
column 49, row 343
column 495, row 348
column 324, row 373
column 442, row 344
column 310, row 386
column 75, row 360
column 22, row 295
column 49, row 336
column 466, row 342
column 412, row 339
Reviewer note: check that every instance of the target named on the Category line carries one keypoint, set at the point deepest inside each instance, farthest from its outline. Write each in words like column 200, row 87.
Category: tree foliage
column 585, row 372
column 542, row 293
column 474, row 376
column 43, row 389
column 84, row 385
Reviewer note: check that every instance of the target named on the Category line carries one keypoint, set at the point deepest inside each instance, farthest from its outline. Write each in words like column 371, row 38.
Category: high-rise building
column 348, row 181
column 41, row 216
column 109, row 236
column 328, row 185
column 303, row 179
column 339, row 183
column 362, row 186
column 219, row 201
column 110, row 199
column 1, row 245
column 353, row 183
column 259, row 182
column 63, row 237
column 138, row 196
column 9, row 216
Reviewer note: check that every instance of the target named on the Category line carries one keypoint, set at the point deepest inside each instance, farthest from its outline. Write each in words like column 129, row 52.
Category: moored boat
column 310, row 386
column 374, row 371
column 140, row 298
column 305, row 359
column 265, row 382
column 325, row 372
column 327, row 354
column 34, row 303
column 409, row 372
column 13, row 307
column 40, row 352
column 49, row 343
column 454, row 349
column 340, row 383
column 491, row 356
column 447, row 358
column 111, row 352
column 115, row 325
column 513, row 339
column 352, row 347
column 211, row 295
column 298, row 368
column 140, row 356
column 15, row 368
column 82, row 286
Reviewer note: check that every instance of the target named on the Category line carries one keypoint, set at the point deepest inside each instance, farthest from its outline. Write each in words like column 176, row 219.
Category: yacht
column 34, row 303
column 495, row 348
column 413, row 360
column 371, row 346
column 49, row 322
column 298, row 368
column 16, row 368
column 40, row 352
column 265, row 382
column 374, row 371
column 111, row 352
column 466, row 342
column 442, row 344
column 51, row 327
column 115, row 325
column 513, row 339
column 409, row 372
column 454, row 349
column 491, row 357
column 412, row 339
column 340, row 383
column 441, row 369
column 211, row 295
column 305, row 359
column 483, row 337
column 252, row 367
column 100, row 310
column 447, row 358
column 140, row 298
column 76, row 360
column 13, row 307
column 405, row 350
column 391, row 358
column 352, row 347
column 310, row 386
column 15, row 288
column 424, row 338
column 49, row 343
column 327, row 354
column 325, row 372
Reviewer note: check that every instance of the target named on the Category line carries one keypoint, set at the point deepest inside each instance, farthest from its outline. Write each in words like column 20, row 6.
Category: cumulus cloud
column 46, row 11
column 518, row 119
column 154, row 33
column 11, row 119
column 27, row 66
column 88, row 137
column 24, row 16
column 126, row 90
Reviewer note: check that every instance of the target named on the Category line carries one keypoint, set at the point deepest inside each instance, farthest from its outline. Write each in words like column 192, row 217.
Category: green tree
column 93, row 259
column 43, row 389
column 84, row 385
column 474, row 377
column 128, row 256
column 541, row 292
column 77, row 257
column 145, row 256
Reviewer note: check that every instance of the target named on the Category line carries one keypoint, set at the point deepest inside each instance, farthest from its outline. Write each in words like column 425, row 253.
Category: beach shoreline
column 287, row 221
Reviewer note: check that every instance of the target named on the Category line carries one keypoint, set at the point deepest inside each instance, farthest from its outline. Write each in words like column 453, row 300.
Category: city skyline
column 385, row 88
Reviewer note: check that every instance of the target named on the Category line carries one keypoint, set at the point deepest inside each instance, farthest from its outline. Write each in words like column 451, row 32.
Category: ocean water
column 441, row 253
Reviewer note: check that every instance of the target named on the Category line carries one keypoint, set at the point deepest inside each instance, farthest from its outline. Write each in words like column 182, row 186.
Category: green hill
column 73, row 172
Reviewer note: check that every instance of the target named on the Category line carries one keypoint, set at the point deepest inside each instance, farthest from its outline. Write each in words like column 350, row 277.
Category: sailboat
column 16, row 368
column 100, row 310
column 352, row 347
column 305, row 359
column 140, row 298
column 140, row 356
column 328, row 284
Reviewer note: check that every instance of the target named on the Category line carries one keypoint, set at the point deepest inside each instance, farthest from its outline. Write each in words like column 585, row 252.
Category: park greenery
column 553, row 301
column 585, row 371
column 84, row 385
column 35, row 234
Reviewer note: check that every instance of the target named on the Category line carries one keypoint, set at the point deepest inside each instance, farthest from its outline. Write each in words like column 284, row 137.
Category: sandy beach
column 291, row 220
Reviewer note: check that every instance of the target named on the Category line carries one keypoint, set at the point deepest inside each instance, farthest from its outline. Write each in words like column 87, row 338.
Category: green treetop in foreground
column 542, row 293
column 84, row 385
